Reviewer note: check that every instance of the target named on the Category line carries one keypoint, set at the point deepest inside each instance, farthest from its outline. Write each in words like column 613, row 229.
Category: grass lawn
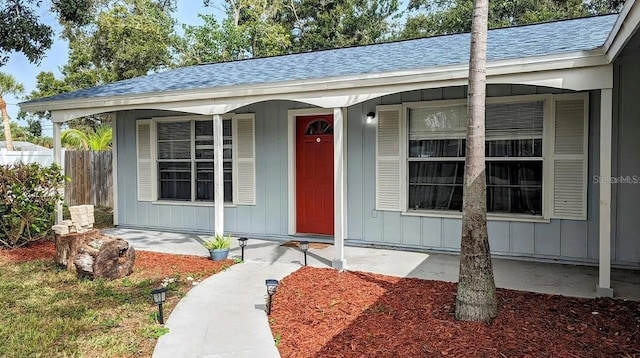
column 48, row 312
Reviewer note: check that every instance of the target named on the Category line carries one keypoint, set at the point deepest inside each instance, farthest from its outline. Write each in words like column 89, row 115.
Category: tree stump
column 94, row 255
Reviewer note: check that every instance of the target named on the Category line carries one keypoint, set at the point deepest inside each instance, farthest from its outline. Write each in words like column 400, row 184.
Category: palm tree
column 476, row 297
column 8, row 85
column 98, row 139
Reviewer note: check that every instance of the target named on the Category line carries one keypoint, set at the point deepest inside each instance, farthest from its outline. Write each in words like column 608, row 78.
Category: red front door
column 314, row 174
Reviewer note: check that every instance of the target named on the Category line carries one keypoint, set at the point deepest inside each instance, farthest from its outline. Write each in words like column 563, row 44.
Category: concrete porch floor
column 543, row 277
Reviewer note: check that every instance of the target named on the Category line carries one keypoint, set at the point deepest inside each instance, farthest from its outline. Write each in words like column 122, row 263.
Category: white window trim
column 154, row 161
column 191, row 203
column 547, row 148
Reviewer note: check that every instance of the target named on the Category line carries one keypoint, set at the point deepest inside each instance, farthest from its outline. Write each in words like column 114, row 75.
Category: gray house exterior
column 363, row 145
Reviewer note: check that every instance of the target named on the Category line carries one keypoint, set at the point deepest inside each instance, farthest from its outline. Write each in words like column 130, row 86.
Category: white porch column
column 114, row 166
column 603, row 289
column 218, row 175
column 339, row 187
column 57, row 159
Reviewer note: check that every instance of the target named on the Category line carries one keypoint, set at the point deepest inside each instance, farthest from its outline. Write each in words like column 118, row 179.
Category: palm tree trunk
column 476, row 298
column 7, row 127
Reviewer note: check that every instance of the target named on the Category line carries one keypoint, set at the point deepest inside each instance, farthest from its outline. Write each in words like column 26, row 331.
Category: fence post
column 57, row 154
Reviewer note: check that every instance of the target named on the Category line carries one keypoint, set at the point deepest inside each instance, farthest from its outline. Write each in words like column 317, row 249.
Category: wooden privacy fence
column 91, row 178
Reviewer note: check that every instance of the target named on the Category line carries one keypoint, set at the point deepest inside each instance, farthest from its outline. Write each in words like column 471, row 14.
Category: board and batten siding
column 268, row 217
column 626, row 129
column 570, row 240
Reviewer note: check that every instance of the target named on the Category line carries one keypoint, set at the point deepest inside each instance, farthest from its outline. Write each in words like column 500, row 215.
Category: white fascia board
column 626, row 26
column 326, row 92
column 578, row 79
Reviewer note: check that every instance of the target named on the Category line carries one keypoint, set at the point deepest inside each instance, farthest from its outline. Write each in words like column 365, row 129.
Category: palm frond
column 75, row 138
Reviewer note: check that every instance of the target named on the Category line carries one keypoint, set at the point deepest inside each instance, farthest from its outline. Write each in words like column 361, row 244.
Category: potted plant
column 218, row 247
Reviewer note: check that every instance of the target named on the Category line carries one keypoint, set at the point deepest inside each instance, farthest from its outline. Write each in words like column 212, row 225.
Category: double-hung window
column 536, row 156
column 186, row 160
column 514, row 160
column 175, row 159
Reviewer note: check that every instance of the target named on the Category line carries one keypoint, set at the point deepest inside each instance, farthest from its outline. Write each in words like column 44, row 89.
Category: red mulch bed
column 169, row 264
column 326, row 313
column 148, row 263
column 41, row 250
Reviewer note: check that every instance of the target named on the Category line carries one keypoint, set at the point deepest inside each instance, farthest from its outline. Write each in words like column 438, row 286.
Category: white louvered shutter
column 388, row 161
column 244, row 153
column 144, row 144
column 569, row 156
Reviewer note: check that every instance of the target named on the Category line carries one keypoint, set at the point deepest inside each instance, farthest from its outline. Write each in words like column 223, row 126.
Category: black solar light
column 272, row 287
column 304, row 246
column 370, row 117
column 243, row 243
column 159, row 296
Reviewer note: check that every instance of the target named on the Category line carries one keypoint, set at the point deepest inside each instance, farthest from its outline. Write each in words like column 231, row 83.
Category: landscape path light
column 159, row 296
column 272, row 287
column 304, row 246
column 243, row 243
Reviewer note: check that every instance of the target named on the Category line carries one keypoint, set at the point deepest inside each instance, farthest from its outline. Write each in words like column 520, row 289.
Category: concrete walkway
column 224, row 315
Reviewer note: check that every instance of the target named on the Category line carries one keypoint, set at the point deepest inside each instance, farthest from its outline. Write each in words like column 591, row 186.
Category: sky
column 25, row 72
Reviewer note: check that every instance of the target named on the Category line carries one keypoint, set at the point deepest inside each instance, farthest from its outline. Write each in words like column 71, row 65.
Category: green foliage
column 253, row 28
column 9, row 85
column 437, row 17
column 30, row 133
column 124, row 39
column 46, row 142
column 132, row 38
column 250, row 29
column 34, row 128
column 24, row 31
column 218, row 242
column 29, row 194
column 213, row 42
column 154, row 332
column 99, row 138
column 48, row 312
column 76, row 11
column 103, row 217
column 18, row 132
column 320, row 24
column 78, row 73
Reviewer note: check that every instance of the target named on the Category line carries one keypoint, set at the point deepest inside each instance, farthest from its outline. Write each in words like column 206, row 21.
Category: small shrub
column 28, row 196
column 218, row 242
column 103, row 217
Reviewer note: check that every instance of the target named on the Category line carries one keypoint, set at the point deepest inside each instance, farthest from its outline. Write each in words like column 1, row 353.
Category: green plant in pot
column 218, row 247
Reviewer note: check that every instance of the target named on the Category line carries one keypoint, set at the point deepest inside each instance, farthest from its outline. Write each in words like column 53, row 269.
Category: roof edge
column 450, row 72
column 627, row 24
column 411, row 39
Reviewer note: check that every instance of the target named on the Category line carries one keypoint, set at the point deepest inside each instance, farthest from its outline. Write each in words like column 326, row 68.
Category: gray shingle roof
column 508, row 43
